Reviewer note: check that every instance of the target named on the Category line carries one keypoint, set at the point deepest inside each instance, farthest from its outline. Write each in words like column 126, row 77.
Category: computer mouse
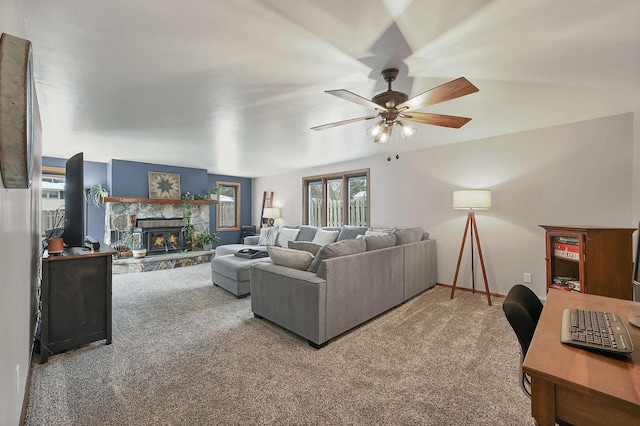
column 635, row 321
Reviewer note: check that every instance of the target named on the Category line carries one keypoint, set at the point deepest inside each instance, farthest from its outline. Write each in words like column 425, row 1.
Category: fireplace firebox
column 161, row 235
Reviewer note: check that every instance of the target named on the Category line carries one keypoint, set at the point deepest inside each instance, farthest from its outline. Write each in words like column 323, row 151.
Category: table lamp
column 472, row 200
column 271, row 214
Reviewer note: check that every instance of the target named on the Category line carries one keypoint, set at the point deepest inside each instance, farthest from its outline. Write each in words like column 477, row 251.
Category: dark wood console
column 76, row 300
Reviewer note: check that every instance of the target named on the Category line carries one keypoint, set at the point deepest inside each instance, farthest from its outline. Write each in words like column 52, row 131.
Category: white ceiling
column 234, row 86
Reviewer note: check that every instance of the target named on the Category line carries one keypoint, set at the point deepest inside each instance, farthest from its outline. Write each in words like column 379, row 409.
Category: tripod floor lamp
column 472, row 200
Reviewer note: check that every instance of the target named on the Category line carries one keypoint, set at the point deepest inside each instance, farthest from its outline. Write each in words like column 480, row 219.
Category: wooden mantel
column 154, row 200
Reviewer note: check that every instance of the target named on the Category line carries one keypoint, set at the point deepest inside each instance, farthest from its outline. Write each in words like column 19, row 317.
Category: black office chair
column 522, row 309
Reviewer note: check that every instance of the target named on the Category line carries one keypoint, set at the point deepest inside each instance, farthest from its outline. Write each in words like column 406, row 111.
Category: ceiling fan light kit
column 392, row 106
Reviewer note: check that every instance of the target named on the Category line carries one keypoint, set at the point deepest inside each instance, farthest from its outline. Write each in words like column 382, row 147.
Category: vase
column 139, row 254
column 207, row 247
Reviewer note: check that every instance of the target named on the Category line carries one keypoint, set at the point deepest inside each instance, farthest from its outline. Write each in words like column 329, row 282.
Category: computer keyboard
column 602, row 331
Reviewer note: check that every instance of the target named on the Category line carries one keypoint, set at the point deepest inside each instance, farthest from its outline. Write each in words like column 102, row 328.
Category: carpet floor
column 187, row 353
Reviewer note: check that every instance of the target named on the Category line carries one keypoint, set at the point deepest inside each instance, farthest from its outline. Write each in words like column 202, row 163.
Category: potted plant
column 139, row 251
column 126, row 243
column 96, row 194
column 213, row 192
column 207, row 239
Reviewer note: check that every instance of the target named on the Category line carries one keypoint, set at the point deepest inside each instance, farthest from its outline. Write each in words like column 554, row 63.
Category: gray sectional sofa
column 345, row 291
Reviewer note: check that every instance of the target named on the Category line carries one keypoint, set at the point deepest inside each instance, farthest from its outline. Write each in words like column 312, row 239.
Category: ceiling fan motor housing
column 389, row 99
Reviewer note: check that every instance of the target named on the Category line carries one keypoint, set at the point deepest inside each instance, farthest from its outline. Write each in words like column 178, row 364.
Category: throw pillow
column 409, row 235
column 351, row 232
column 307, row 233
column 285, row 235
column 268, row 236
column 380, row 241
column 312, row 248
column 325, row 237
column 295, row 259
column 337, row 249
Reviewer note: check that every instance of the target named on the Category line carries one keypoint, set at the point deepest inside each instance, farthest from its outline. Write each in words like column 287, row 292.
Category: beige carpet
column 187, row 353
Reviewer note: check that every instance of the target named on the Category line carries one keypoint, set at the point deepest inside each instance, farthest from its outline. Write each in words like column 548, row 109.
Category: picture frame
column 164, row 185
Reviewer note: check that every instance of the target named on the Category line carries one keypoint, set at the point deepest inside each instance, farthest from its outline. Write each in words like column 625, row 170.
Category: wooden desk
column 579, row 386
column 76, row 300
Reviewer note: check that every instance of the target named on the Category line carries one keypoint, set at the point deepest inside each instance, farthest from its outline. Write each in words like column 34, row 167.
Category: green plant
column 96, row 193
column 127, row 240
column 207, row 238
column 215, row 189
column 188, row 228
column 138, row 244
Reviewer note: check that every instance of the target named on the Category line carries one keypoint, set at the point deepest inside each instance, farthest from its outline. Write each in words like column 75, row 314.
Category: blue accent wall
column 232, row 237
column 131, row 179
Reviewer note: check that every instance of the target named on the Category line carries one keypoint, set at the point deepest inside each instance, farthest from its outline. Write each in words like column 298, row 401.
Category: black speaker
column 247, row 231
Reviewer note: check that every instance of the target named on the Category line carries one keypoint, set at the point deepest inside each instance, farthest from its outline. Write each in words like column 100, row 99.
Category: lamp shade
column 271, row 213
column 476, row 199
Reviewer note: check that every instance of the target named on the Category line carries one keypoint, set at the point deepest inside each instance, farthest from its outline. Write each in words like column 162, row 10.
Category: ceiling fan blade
column 340, row 123
column 350, row 96
column 436, row 119
column 446, row 92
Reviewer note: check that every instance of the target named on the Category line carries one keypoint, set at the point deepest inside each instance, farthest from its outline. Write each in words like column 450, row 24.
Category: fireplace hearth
column 161, row 235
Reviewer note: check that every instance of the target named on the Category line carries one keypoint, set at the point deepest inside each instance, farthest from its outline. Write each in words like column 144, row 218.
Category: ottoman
column 232, row 273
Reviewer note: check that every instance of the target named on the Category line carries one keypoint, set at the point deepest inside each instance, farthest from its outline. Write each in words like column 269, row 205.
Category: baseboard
column 25, row 397
column 502, row 296
column 27, row 385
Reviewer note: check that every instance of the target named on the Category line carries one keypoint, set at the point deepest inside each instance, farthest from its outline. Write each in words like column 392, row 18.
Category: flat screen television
column 74, row 202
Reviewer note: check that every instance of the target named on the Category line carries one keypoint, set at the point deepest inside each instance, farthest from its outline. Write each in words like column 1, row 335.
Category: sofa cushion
column 425, row 236
column 409, row 235
column 228, row 249
column 325, row 237
column 307, row 233
column 235, row 268
column 351, row 232
column 371, row 232
column 305, row 246
column 337, row 249
column 285, row 235
column 268, row 236
column 296, row 259
column 380, row 241
column 332, row 228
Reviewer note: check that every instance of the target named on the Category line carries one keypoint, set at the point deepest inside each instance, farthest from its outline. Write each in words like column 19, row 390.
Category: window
column 52, row 197
column 337, row 199
column 228, row 208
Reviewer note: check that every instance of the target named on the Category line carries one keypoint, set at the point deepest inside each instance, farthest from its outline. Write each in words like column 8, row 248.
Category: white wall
column 580, row 173
column 19, row 261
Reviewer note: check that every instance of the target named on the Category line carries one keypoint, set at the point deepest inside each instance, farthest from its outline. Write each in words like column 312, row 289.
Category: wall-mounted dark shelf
column 154, row 200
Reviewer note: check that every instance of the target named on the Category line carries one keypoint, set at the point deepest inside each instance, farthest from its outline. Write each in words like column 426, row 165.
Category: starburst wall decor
column 164, row 185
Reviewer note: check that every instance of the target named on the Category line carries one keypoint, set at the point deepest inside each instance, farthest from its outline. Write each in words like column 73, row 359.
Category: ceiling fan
column 394, row 108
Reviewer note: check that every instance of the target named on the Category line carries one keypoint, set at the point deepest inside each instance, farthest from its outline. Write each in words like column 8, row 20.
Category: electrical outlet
column 18, row 379
column 527, row 277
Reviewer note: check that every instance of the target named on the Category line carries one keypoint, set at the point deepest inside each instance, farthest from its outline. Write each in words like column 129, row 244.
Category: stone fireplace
column 159, row 224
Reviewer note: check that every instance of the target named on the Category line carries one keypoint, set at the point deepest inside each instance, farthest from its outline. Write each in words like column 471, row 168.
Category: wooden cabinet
column 593, row 260
column 76, row 300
